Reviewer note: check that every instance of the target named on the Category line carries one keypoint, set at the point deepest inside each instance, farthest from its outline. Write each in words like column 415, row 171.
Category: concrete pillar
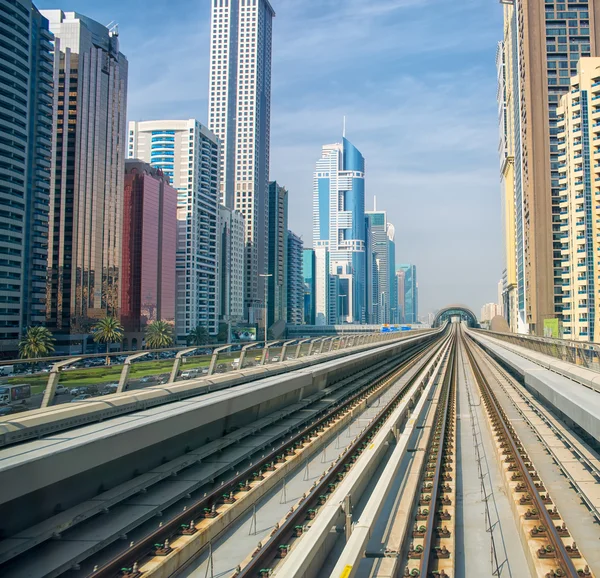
column 347, row 507
column 53, row 380
column 284, row 349
column 126, row 369
column 299, row 347
column 243, row 354
column 177, row 363
column 215, row 357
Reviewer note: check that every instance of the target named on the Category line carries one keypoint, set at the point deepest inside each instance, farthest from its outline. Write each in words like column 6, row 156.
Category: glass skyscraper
column 339, row 225
column 411, row 293
column 88, row 167
column 25, row 155
column 308, row 273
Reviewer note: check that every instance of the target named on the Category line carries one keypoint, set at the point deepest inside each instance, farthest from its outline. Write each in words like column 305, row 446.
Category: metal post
column 126, row 369
column 53, row 380
column 177, row 363
column 215, row 357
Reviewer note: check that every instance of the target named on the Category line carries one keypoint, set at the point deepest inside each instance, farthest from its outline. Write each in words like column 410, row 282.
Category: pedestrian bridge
column 465, row 314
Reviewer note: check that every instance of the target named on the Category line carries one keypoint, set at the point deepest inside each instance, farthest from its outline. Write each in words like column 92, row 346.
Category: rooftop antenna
column 344, row 129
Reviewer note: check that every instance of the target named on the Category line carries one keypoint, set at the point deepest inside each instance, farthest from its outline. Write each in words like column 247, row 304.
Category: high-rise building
column 188, row 153
column 394, row 312
column 579, row 170
column 25, row 154
column 400, row 292
column 230, row 252
column 88, row 167
column 512, row 292
column 339, row 225
column 322, row 292
column 411, row 293
column 489, row 311
column 149, row 249
column 278, row 253
column 308, row 273
column 541, row 50
column 295, row 279
column 239, row 114
column 381, row 244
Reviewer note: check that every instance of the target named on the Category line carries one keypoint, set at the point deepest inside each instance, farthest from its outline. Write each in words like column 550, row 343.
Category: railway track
column 551, row 549
column 288, row 537
column 197, row 518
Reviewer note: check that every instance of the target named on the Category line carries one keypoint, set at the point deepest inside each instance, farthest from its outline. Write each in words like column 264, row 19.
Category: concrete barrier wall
column 68, row 468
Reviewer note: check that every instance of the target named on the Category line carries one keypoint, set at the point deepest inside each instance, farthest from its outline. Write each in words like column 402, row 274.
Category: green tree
column 159, row 334
column 108, row 330
column 198, row 336
column 37, row 342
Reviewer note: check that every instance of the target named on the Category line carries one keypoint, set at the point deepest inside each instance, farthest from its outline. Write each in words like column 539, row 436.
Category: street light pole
column 265, row 276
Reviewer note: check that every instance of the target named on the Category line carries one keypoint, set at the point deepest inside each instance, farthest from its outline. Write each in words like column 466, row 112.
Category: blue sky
column 416, row 81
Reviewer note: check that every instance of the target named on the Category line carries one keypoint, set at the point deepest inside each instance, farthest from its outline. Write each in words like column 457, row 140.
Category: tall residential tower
column 25, row 153
column 188, row 153
column 542, row 45
column 239, row 114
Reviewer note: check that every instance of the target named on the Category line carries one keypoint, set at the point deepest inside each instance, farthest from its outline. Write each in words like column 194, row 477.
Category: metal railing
column 580, row 353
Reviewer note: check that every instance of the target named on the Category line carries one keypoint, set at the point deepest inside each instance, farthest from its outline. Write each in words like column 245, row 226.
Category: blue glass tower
column 339, row 224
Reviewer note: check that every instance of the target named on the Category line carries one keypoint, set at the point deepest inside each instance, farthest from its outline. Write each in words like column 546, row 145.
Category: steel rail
column 449, row 382
column 562, row 557
column 299, row 515
column 145, row 547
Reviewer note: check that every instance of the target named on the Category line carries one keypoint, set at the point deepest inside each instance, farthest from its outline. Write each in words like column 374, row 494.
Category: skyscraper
column 239, row 114
column 148, row 284
column 278, row 254
column 411, row 293
column 400, row 291
column 383, row 255
column 231, row 264
column 188, row 153
column 308, row 273
column 25, row 154
column 541, row 50
column 295, row 281
column 339, row 225
column 88, row 164
column 579, row 171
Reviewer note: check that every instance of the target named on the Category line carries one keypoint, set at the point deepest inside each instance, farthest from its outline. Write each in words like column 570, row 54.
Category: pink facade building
column 149, row 248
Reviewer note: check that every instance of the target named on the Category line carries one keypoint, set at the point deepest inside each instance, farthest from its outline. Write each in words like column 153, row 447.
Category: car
column 147, row 379
column 60, row 389
column 6, row 409
column 82, row 397
column 275, row 358
column 78, row 390
column 108, row 389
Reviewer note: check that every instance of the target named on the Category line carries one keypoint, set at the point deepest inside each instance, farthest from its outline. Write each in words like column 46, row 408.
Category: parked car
column 82, row 397
column 108, row 389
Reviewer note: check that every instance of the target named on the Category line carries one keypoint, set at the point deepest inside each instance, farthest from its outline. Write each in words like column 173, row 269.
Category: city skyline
column 445, row 122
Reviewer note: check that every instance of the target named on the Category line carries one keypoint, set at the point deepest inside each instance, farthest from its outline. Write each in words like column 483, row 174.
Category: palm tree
column 198, row 336
column 37, row 342
column 108, row 330
column 159, row 334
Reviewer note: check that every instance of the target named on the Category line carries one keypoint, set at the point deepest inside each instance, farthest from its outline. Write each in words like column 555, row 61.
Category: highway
column 427, row 456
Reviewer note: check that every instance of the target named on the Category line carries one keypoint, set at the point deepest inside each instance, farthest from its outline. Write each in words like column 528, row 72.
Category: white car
column 60, row 389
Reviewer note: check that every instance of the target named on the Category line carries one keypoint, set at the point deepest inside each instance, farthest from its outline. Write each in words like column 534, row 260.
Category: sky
column 416, row 81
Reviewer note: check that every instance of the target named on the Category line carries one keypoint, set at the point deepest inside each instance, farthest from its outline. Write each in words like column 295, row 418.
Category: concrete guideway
column 568, row 388
column 312, row 549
